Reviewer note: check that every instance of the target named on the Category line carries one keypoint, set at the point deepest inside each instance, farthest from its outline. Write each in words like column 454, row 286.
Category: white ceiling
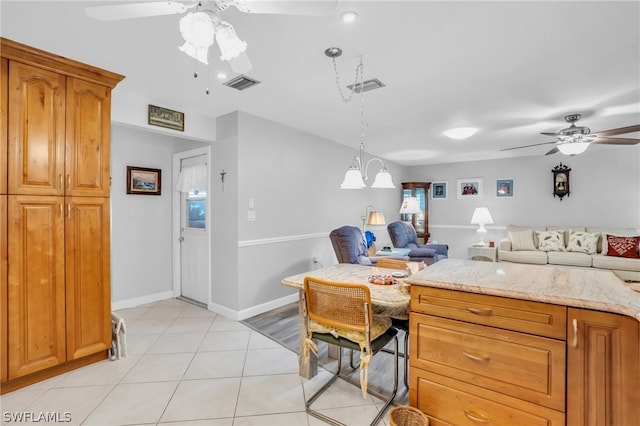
column 511, row 68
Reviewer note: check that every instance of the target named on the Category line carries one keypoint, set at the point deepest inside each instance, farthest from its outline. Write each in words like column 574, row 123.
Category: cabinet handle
column 476, row 417
column 482, row 358
column 60, row 207
column 69, row 211
column 485, row 312
column 60, row 179
column 574, row 342
column 68, row 181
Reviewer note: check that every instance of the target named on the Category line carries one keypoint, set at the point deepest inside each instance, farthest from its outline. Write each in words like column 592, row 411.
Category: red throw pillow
column 623, row 246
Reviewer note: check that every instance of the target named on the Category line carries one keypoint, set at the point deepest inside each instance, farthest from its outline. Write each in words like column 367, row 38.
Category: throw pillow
column 522, row 240
column 551, row 240
column 583, row 242
column 623, row 246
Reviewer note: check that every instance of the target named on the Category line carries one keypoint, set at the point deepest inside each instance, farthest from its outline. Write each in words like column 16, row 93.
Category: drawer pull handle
column 482, row 358
column 574, row 342
column 485, row 312
column 476, row 417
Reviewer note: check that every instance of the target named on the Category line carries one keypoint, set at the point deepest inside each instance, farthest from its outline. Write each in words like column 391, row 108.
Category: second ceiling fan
column 576, row 139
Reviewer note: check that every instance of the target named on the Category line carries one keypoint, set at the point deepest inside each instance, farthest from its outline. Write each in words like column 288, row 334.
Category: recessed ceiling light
column 461, row 132
column 349, row 16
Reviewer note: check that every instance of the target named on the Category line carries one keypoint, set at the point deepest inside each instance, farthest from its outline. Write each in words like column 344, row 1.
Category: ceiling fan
column 202, row 27
column 576, row 139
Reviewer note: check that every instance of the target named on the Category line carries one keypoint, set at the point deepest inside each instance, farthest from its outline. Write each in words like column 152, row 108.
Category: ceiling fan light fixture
column 198, row 32
column 460, row 132
column 573, row 148
column 228, row 41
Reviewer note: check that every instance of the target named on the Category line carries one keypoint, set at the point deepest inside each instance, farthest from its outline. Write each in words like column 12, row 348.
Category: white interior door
column 193, row 234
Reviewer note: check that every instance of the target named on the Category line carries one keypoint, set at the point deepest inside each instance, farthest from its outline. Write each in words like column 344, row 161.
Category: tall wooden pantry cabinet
column 54, row 198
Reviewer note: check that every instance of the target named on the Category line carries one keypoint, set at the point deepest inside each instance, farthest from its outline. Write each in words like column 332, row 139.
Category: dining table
column 391, row 300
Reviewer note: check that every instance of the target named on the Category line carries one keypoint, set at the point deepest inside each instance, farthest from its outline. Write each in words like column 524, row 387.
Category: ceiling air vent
column 372, row 84
column 241, row 82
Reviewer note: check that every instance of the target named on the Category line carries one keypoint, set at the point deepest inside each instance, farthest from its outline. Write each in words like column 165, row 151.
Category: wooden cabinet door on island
column 603, row 368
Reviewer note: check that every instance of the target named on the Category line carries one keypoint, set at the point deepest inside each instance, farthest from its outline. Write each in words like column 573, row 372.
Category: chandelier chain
column 358, row 81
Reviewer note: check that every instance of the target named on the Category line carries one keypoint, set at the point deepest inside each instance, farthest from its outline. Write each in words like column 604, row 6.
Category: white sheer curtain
column 192, row 178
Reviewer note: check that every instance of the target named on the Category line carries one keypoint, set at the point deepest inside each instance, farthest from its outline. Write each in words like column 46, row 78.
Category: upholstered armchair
column 351, row 247
column 403, row 235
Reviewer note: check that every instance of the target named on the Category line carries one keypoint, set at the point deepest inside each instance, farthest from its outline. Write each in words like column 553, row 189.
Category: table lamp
column 482, row 217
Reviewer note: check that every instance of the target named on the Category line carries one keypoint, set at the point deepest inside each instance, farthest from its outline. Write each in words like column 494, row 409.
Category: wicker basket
column 407, row 416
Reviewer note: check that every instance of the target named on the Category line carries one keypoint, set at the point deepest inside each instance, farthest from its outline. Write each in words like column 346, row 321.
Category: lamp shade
column 198, row 33
column 383, row 179
column 573, row 148
column 410, row 206
column 481, row 216
column 353, row 179
column 376, row 218
column 228, row 42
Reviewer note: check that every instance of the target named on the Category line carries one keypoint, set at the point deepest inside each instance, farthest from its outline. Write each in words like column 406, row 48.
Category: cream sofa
column 523, row 245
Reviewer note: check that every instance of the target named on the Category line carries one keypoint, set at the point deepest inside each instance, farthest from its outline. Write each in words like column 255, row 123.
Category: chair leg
column 406, row 359
column 335, row 376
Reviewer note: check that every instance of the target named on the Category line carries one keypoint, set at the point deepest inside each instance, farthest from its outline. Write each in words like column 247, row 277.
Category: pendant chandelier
column 356, row 175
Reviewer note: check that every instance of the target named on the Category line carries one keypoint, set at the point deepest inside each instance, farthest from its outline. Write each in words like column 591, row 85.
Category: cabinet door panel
column 3, row 289
column 4, row 105
column 88, row 132
column 36, row 130
column 88, row 278
column 36, row 286
column 603, row 371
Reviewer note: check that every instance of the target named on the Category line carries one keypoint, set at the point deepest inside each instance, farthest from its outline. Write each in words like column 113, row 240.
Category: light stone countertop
column 389, row 296
column 578, row 287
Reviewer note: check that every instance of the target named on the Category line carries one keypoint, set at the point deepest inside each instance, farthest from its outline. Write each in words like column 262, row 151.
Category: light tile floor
column 189, row 366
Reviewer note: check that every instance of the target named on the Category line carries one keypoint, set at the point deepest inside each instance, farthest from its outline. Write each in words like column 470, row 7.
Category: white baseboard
column 254, row 310
column 137, row 301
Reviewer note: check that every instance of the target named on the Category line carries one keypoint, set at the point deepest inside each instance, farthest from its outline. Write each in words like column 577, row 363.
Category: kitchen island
column 507, row 343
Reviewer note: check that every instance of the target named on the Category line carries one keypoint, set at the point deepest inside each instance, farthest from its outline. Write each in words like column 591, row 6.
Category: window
column 196, row 209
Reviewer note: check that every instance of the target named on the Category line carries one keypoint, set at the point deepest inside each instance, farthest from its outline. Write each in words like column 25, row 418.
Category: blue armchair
column 350, row 246
column 403, row 235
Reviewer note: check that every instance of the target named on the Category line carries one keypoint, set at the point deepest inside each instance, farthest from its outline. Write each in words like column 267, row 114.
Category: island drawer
column 449, row 402
column 525, row 316
column 528, row 367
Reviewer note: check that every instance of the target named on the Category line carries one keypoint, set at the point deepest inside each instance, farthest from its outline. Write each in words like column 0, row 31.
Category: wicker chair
column 340, row 314
column 400, row 324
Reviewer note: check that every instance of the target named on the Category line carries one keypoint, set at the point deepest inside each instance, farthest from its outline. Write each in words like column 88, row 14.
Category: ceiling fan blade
column 620, row 131
column 550, row 134
column 288, row 7
column 116, row 12
column 241, row 64
column 616, row 141
column 527, row 146
column 553, row 151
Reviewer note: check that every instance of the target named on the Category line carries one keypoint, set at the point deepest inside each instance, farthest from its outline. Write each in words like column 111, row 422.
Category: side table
column 394, row 252
column 486, row 253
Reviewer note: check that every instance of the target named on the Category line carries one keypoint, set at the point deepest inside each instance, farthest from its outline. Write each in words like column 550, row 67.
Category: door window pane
column 196, row 209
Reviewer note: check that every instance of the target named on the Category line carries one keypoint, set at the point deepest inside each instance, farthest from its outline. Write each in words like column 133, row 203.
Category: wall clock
column 561, row 180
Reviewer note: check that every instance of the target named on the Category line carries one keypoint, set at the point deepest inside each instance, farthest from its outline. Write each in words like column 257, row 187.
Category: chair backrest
column 340, row 305
column 403, row 234
column 349, row 245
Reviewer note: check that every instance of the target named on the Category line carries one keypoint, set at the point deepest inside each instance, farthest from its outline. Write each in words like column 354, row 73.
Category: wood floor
column 281, row 325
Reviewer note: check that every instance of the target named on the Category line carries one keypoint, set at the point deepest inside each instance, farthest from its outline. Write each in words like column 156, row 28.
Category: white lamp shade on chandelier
column 410, row 205
column 481, row 216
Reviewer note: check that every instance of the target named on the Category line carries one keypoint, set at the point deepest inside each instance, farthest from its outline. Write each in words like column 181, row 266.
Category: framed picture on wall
column 439, row 190
column 469, row 188
column 142, row 180
column 504, row 188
